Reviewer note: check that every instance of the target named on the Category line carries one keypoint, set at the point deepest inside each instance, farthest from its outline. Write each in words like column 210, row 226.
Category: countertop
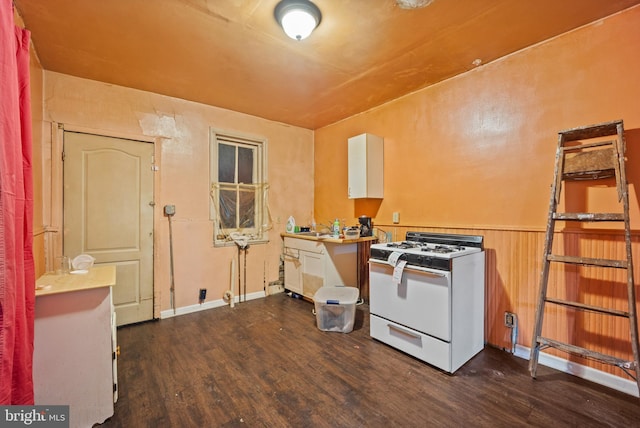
column 328, row 238
column 98, row 276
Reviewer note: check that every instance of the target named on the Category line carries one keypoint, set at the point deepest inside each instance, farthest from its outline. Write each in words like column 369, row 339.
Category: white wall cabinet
column 366, row 164
column 310, row 264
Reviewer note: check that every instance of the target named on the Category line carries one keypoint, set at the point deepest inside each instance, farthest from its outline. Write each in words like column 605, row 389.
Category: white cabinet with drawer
column 310, row 264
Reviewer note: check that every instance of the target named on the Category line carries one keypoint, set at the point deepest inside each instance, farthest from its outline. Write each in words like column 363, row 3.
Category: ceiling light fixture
column 298, row 18
column 413, row 4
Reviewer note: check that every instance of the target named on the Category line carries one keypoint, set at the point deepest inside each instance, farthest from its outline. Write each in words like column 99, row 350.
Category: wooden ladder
column 577, row 159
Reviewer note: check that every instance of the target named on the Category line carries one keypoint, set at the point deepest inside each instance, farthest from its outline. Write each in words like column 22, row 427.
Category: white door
column 108, row 214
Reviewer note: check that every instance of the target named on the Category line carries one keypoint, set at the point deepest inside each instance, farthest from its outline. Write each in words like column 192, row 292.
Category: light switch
column 396, row 217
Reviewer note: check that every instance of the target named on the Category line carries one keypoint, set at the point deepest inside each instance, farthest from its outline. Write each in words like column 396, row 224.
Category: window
column 238, row 188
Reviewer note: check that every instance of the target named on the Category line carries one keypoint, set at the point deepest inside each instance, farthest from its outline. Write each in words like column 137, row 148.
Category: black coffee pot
column 366, row 226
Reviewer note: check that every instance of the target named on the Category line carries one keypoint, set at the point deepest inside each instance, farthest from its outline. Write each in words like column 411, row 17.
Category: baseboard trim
column 588, row 373
column 170, row 313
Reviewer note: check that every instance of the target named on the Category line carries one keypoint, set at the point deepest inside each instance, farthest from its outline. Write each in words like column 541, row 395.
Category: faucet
column 323, row 226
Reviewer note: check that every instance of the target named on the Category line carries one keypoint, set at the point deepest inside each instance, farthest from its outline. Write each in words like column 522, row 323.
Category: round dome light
column 298, row 18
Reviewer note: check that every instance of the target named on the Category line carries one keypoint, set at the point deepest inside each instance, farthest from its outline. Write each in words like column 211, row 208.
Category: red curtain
column 17, row 271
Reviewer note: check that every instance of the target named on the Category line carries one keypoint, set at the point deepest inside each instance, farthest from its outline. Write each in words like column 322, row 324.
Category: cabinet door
column 312, row 272
column 292, row 270
column 365, row 162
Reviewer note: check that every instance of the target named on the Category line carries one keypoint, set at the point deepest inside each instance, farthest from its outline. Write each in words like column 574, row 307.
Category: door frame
column 54, row 210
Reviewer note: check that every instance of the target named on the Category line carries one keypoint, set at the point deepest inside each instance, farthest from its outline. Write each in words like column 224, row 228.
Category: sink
column 313, row 234
column 316, row 234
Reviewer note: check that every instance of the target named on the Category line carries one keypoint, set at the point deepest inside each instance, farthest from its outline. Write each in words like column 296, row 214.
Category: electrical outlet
column 509, row 319
column 202, row 295
column 396, row 217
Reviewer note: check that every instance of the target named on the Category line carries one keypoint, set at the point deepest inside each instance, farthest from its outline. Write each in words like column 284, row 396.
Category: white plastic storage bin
column 336, row 308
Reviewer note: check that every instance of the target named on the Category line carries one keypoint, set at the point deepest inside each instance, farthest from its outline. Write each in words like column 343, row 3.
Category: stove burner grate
column 443, row 249
column 403, row 245
column 426, row 247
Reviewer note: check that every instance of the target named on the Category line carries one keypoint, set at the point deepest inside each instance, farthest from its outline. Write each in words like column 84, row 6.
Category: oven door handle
column 412, row 268
column 426, row 272
column 403, row 331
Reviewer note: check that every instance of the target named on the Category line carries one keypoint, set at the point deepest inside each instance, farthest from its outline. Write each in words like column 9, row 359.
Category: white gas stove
column 427, row 296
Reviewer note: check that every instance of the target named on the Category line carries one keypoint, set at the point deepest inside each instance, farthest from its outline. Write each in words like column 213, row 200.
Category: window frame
column 259, row 233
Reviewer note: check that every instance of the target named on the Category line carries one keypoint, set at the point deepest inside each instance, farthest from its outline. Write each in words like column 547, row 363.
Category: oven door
column 422, row 300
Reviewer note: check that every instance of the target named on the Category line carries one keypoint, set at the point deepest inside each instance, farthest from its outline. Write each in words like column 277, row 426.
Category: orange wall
column 476, row 154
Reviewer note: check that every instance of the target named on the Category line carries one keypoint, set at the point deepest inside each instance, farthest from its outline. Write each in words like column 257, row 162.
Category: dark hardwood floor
column 265, row 364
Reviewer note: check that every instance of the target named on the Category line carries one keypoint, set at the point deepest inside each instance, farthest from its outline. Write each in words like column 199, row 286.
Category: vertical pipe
column 172, row 288
column 244, row 279
column 265, row 285
column 233, row 282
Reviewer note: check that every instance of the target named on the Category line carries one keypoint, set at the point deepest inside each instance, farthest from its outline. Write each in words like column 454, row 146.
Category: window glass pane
column 227, row 209
column 226, row 163
column 245, row 165
column 247, row 208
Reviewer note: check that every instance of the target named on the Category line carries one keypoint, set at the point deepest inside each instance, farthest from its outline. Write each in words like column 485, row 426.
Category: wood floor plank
column 265, row 364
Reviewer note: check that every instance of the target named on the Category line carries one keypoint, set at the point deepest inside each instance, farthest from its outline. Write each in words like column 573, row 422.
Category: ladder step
column 584, row 307
column 589, row 216
column 577, row 350
column 599, row 174
column 591, row 131
column 587, row 261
